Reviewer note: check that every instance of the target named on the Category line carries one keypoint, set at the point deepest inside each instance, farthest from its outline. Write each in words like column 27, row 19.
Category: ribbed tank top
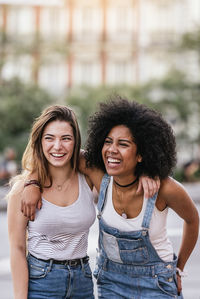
column 158, row 225
column 62, row 232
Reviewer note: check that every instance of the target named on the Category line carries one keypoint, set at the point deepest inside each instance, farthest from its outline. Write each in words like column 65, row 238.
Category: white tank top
column 62, row 232
column 158, row 225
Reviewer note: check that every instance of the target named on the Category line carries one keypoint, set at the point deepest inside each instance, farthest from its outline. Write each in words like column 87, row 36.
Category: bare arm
column 178, row 199
column 17, row 238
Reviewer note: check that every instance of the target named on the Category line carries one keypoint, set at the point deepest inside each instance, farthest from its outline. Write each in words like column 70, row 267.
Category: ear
column 139, row 158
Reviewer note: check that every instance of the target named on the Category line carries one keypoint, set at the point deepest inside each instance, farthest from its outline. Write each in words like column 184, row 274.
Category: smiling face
column 119, row 153
column 58, row 143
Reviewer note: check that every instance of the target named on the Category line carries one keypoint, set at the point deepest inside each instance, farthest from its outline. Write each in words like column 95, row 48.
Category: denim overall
column 128, row 266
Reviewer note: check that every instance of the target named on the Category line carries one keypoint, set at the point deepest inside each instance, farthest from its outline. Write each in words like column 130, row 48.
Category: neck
column 59, row 175
column 131, row 183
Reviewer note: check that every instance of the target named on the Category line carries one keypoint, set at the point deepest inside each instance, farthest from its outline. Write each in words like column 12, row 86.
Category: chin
column 112, row 172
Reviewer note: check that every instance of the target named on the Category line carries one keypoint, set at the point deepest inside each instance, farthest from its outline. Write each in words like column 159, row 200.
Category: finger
column 152, row 188
column 139, row 188
column 25, row 210
column 39, row 204
column 32, row 213
column 145, row 186
column 157, row 181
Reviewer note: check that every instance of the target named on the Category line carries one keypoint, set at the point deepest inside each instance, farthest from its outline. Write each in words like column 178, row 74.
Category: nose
column 57, row 144
column 112, row 148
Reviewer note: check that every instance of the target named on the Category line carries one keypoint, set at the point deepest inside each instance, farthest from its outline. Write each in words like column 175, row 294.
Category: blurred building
column 64, row 43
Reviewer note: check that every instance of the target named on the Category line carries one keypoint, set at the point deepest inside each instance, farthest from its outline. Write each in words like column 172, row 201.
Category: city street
column 191, row 284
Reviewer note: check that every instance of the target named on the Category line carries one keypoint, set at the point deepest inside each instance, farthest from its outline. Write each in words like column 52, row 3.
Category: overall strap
column 102, row 194
column 149, row 210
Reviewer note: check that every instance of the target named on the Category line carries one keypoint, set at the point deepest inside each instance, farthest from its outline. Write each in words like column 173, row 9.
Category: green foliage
column 191, row 40
column 19, row 105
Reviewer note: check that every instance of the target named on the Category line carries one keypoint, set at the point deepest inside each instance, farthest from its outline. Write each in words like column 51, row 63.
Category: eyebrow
column 123, row 140
column 65, row 135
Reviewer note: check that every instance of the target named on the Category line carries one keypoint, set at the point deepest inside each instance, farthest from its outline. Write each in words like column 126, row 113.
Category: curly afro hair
column 152, row 134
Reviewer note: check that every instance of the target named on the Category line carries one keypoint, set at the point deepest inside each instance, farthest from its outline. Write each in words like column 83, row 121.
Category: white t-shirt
column 61, row 233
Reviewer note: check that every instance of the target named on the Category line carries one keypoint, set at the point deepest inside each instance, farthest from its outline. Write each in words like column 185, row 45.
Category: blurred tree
column 191, row 41
column 176, row 98
column 19, row 105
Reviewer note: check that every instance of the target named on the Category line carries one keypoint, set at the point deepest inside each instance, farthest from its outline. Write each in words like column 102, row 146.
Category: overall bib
column 128, row 266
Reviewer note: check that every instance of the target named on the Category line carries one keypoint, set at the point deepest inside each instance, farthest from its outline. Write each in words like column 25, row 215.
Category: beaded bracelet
column 180, row 272
column 34, row 183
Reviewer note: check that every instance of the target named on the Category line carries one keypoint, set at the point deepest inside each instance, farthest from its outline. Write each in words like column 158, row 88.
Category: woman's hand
column 31, row 199
column 148, row 185
column 179, row 284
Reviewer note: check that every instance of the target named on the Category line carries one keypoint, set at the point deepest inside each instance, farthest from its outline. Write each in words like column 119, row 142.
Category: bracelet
column 180, row 272
column 34, row 183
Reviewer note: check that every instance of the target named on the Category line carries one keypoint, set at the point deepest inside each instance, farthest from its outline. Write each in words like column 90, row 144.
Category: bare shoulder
column 171, row 187
column 176, row 197
column 15, row 194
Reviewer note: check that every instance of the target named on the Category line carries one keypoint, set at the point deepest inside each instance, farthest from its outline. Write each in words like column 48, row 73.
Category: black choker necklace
column 124, row 186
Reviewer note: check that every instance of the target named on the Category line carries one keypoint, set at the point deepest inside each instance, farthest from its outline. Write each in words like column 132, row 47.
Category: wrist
column 180, row 273
column 33, row 183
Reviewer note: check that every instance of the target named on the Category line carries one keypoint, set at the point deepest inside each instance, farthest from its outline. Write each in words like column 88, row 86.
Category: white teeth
column 110, row 160
column 57, row 155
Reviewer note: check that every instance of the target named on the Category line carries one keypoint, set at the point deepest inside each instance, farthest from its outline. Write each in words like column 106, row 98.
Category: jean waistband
column 71, row 263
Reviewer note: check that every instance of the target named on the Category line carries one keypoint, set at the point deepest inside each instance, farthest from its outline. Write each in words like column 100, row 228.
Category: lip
column 57, row 155
column 112, row 162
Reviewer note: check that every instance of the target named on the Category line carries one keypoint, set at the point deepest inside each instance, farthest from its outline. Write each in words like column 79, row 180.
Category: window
column 20, row 21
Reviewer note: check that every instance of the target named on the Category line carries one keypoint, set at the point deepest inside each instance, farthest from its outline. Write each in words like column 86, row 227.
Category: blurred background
column 78, row 52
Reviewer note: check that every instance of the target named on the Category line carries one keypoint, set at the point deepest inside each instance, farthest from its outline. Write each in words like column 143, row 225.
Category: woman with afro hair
column 136, row 258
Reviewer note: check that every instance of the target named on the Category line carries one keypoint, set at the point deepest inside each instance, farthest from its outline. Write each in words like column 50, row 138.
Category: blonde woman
column 56, row 265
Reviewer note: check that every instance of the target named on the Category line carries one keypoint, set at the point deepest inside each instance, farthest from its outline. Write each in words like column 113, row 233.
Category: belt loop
column 82, row 265
column 50, row 265
column 153, row 271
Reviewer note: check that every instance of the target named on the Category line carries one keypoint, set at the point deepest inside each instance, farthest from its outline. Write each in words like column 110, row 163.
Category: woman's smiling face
column 119, row 152
column 58, row 143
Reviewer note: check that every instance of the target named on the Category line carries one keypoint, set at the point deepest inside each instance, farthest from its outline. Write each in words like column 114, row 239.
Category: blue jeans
column 55, row 281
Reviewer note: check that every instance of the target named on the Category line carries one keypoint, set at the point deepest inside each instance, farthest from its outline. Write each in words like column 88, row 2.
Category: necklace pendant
column 124, row 215
column 59, row 187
